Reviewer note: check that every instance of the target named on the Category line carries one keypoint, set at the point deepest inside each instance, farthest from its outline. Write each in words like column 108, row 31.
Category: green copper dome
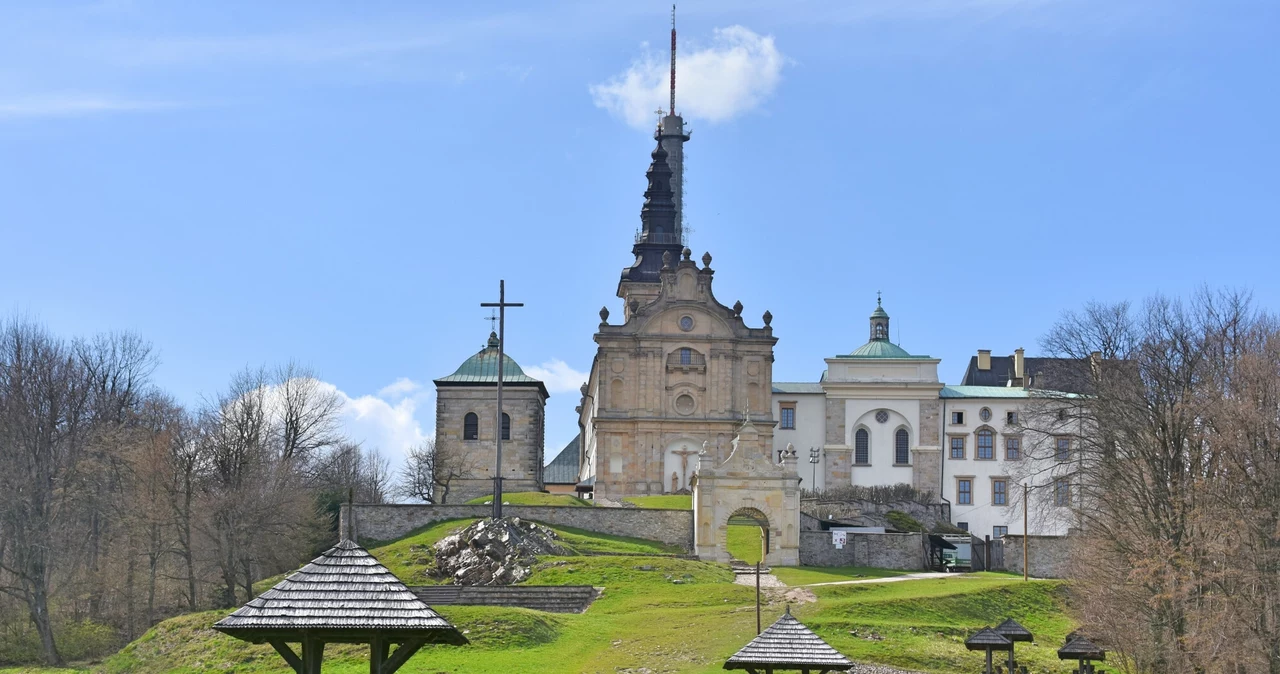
column 482, row 368
column 878, row 348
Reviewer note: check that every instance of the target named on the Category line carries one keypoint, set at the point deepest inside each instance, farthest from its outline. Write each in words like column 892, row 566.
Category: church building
column 467, row 425
column 680, row 371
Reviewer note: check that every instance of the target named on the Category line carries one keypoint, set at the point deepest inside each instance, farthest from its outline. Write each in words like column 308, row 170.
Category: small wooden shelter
column 788, row 645
column 1011, row 630
column 342, row 596
column 1081, row 649
column 987, row 639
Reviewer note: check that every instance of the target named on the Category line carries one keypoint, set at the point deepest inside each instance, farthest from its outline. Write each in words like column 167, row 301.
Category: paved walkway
column 890, row 579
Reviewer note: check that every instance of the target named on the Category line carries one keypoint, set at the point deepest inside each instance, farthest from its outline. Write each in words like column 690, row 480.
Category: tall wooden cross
column 501, row 305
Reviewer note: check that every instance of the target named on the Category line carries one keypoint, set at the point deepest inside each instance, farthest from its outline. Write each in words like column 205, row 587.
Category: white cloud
column 399, row 388
column 374, row 422
column 558, row 376
column 734, row 75
column 77, row 105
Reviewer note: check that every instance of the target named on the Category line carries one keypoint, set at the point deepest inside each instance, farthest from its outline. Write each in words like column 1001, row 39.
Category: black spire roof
column 659, row 228
column 987, row 639
column 1080, row 648
column 1011, row 630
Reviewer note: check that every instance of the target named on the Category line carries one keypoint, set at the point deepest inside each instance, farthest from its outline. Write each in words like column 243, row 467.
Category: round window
column 685, row 404
column 686, row 323
column 882, row 416
column 985, row 414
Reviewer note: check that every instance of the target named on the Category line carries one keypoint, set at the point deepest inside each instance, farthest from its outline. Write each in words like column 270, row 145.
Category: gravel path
column 878, row 669
column 749, row 579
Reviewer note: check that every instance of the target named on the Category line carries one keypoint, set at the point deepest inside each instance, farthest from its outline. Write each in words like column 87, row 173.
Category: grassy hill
column 663, row 613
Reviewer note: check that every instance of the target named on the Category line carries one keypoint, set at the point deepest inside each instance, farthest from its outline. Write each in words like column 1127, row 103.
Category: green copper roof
column 482, row 368
column 880, row 348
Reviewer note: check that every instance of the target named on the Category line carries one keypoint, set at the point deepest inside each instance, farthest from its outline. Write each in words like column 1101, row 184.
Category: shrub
column 903, row 522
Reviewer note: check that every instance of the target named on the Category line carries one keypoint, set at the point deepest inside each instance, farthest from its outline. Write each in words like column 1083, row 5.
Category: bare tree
column 431, row 470
column 44, row 404
column 1172, row 471
column 351, row 467
column 306, row 415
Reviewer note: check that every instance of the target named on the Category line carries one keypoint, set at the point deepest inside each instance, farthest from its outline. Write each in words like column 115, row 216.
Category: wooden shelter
column 1081, row 649
column 1011, row 630
column 789, row 645
column 987, row 639
column 342, row 596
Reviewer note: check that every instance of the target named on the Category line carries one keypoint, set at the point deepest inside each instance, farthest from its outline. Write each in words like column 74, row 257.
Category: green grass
column 663, row 502
column 663, row 613
column 746, row 542
column 534, row 498
column 806, row 575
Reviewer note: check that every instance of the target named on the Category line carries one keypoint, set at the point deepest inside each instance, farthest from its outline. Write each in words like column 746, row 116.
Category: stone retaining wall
column 904, row 552
column 1048, row 556
column 384, row 522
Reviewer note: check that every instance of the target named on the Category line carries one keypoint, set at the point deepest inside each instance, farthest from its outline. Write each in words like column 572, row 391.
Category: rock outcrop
column 494, row 552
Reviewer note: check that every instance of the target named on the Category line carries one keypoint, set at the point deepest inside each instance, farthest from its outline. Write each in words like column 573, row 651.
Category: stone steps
column 549, row 598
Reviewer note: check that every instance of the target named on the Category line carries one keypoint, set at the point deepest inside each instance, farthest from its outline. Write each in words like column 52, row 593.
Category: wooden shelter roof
column 1011, row 630
column 787, row 644
column 1080, row 648
column 987, row 638
column 345, row 593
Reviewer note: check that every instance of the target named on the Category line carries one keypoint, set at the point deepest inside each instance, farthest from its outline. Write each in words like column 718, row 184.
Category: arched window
column 506, row 426
column 901, row 447
column 862, row 447
column 986, row 444
column 470, row 426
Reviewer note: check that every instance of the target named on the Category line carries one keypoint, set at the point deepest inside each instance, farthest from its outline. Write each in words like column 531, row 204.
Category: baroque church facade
column 680, row 371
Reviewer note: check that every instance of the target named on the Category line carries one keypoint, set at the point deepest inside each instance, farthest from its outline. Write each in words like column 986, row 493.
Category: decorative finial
column 737, row 308
column 666, row 259
column 634, row 305
column 687, row 254
column 493, row 340
column 583, row 389
column 604, row 314
column 877, row 298
column 706, row 260
column 768, row 318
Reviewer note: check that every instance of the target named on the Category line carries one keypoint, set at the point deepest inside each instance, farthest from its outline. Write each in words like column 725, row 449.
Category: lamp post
column 813, row 459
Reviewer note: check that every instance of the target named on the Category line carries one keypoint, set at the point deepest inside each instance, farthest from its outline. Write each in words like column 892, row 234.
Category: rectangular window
column 1062, row 493
column 964, row 492
column 998, row 531
column 963, row 525
column 1000, row 492
column 1011, row 418
column 957, row 448
column 986, row 444
column 1064, row 449
column 957, row 418
column 1013, row 448
column 686, row 357
column 787, row 416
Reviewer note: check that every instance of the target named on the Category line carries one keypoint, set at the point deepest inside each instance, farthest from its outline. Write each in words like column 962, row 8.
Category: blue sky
column 339, row 184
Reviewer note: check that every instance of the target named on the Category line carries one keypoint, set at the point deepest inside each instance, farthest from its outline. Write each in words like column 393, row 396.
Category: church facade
column 680, row 371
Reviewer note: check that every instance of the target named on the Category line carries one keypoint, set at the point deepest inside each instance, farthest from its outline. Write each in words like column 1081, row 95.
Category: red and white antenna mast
column 673, row 59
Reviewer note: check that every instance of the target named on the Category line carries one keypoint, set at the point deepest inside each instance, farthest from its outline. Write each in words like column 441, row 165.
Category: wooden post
column 758, row 630
column 1026, row 534
column 988, row 670
column 376, row 655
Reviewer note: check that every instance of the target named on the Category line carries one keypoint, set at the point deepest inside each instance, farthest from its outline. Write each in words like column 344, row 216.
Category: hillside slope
column 662, row 613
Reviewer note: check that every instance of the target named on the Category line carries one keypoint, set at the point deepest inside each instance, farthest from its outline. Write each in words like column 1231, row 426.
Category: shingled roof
column 987, row 639
column 787, row 644
column 1011, row 630
column 564, row 468
column 1081, row 648
column 343, row 590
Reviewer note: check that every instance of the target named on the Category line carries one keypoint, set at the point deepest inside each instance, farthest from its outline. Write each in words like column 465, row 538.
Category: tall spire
column 659, row 231
column 672, row 109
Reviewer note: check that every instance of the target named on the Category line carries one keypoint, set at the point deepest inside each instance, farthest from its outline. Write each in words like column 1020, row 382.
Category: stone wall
column 905, row 552
column 871, row 514
column 391, row 521
column 1048, row 556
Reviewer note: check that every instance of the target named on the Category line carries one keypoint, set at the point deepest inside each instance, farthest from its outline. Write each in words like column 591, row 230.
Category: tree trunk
column 38, row 605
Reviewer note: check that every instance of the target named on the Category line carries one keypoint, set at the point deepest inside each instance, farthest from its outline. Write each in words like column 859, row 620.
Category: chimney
column 984, row 359
column 1019, row 368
